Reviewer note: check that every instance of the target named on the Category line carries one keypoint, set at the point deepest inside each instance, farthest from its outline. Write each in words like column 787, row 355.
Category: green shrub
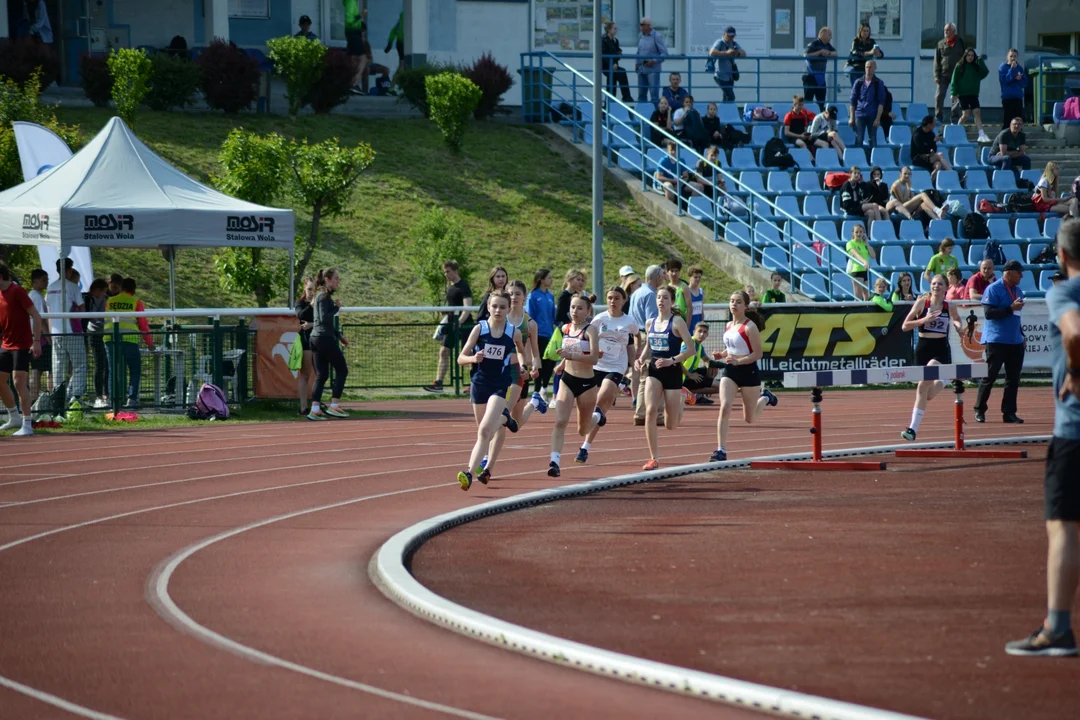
column 96, row 80
column 299, row 62
column 173, row 82
column 411, row 83
column 130, row 70
column 493, row 80
column 453, row 99
column 438, row 237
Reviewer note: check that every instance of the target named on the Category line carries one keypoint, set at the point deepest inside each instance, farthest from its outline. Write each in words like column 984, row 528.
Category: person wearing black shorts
column 932, row 316
column 305, row 313
column 20, row 339
column 1055, row 637
column 579, row 352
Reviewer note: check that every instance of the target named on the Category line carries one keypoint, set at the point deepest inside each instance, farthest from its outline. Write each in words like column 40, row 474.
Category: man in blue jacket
column 867, row 105
column 1013, row 79
column 652, row 51
column 1003, row 338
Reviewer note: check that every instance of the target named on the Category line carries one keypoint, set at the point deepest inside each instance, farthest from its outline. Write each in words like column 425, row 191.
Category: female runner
column 520, row 408
column 489, row 347
column 742, row 350
column 579, row 353
column 305, row 313
column 616, row 332
column 664, row 363
column 931, row 315
column 324, row 344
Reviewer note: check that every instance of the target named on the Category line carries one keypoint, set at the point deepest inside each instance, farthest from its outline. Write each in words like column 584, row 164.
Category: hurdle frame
column 959, row 450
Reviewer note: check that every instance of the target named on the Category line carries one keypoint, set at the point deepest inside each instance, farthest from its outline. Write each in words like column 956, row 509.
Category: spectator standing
column 540, row 306
column 114, row 284
column 130, row 330
column 816, row 65
column 858, row 265
column 673, row 92
column 305, row 28
column 978, row 282
column 497, row 280
column 863, row 47
column 661, row 118
column 904, row 290
column 651, row 52
column 96, row 301
column 355, row 39
column 642, row 309
column 857, row 198
column 1011, row 146
column 609, row 46
column 823, row 132
column 967, row 76
column 942, row 261
column 20, row 328
column 326, row 342
column 867, row 105
column 1003, row 338
column 1013, row 80
column 369, row 67
column 725, row 71
column 573, row 283
column 39, row 283
column 1055, row 637
column 947, row 54
column 68, row 348
column 774, row 294
column 458, row 294
column 305, row 314
column 924, row 152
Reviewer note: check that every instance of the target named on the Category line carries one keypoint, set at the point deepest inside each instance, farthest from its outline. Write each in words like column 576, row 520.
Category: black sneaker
column 705, row 400
column 511, row 423
column 553, row 469
column 435, row 387
column 718, row 456
column 980, row 417
column 484, row 476
column 1041, row 642
column 582, row 456
column 1012, row 419
column 603, row 419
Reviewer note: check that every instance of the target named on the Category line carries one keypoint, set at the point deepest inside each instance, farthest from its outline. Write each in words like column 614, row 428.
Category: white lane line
column 55, row 701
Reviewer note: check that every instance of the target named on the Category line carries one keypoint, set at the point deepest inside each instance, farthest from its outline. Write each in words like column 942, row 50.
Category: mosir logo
column 249, row 223
column 108, row 223
column 35, row 222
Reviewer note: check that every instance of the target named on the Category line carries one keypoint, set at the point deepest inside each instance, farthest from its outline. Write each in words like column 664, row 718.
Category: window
column 1062, row 43
column 662, row 14
column 795, row 24
column 967, row 21
column 259, row 9
column 933, row 23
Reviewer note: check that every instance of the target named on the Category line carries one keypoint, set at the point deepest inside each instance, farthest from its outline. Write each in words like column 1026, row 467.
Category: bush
column 436, row 238
column 229, row 77
column 493, row 80
column 130, row 70
column 332, row 89
column 453, row 99
column 20, row 58
column 299, row 62
column 96, row 80
column 412, row 83
column 22, row 103
column 173, row 82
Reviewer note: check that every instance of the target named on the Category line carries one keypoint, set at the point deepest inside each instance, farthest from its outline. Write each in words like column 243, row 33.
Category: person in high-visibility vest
column 130, row 329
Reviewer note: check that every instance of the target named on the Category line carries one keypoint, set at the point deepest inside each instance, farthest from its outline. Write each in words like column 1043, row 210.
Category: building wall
column 1051, row 16
column 155, row 23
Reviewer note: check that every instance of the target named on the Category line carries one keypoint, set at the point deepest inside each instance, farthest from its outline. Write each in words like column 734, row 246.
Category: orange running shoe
column 651, row 465
column 688, row 397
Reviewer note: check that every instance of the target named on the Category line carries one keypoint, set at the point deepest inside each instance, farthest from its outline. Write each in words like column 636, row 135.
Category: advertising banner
column 273, row 338
column 800, row 338
column 1034, row 320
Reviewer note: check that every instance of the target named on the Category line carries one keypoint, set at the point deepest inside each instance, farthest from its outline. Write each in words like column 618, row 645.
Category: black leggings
column 101, row 365
column 547, row 367
column 327, row 353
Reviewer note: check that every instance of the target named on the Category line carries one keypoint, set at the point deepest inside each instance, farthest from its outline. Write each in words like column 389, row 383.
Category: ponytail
column 584, row 295
column 321, row 278
column 752, row 313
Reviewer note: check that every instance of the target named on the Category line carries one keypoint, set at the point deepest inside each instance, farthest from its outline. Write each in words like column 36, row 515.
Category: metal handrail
column 253, row 312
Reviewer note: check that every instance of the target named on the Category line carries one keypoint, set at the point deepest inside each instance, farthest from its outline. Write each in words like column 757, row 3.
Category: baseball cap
column 1013, row 265
column 304, row 19
column 1058, row 276
column 626, row 270
column 729, row 30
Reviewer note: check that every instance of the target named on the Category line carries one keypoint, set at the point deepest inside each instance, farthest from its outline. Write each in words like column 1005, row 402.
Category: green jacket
column 969, row 82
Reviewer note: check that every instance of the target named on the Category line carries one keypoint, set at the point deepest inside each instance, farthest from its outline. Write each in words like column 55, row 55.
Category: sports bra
column 940, row 324
column 664, row 343
column 736, row 339
column 581, row 340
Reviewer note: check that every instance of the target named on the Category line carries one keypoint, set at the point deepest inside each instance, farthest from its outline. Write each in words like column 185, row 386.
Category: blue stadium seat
column 798, row 233
column 964, row 200
column 848, row 227
column 630, row 159
column 920, row 180
column 814, row 285
column 920, row 256
column 1027, row 284
column 965, row 157
column 899, row 135
column 804, row 257
column 761, row 134
column 1034, row 176
column 1033, row 250
column 903, row 157
column 1045, row 281
column 751, row 180
column 827, row 230
column 1004, row 181
column 700, row 208
column 1027, row 229
column 842, row 113
column 743, row 159
column 653, row 157
column 1012, row 252
column 775, row 259
column 788, row 204
column 948, row 181
column 842, row 286
column 688, row 157
column 976, row 181
column 767, row 235
column 984, row 196
column 892, row 257
column 984, row 155
column 803, row 159
column 737, row 234
column 619, row 113
column 915, row 112
column 645, row 109
column 780, row 182
column 999, row 229
column 883, row 158
column 827, row 160
column 911, row 231
column 621, row 136
column 1050, row 227
column 956, row 136
column 882, row 231
column 975, row 252
column 728, row 114
column 889, row 177
column 815, row 206
column 807, row 181
column 939, row 230
column 724, row 162
column 837, row 208
column 846, row 133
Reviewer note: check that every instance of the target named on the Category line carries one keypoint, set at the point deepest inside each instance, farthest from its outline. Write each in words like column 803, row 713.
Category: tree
column 436, row 238
column 323, row 177
column 130, row 70
column 452, row 99
column 299, row 62
column 253, row 168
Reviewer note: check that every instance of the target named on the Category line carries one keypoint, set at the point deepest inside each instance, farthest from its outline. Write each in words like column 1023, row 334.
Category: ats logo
column 249, row 223
column 35, row 222
column 108, row 223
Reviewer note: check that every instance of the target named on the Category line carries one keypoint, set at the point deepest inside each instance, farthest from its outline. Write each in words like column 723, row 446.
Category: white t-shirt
column 73, row 296
column 615, row 333
column 39, row 303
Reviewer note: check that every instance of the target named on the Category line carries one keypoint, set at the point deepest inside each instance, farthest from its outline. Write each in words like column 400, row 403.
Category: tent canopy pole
column 292, row 277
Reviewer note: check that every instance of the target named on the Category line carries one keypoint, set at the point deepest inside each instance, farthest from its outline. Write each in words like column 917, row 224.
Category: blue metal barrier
column 1056, row 77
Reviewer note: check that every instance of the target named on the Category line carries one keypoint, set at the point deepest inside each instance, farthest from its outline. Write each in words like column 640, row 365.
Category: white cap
column 626, row 270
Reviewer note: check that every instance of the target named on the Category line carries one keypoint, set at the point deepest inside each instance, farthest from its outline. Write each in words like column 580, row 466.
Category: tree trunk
column 313, row 240
column 262, row 293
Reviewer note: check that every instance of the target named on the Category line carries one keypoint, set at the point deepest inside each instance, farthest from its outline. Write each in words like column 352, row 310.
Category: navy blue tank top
column 498, row 351
column 940, row 324
column 664, row 343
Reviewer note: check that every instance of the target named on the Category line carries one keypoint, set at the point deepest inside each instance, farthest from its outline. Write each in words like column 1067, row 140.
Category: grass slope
column 522, row 197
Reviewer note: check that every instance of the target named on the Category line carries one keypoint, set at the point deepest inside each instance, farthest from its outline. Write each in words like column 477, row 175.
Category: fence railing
column 1056, row 77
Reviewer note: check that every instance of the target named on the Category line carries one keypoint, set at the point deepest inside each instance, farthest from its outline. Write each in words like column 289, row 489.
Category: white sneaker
column 13, row 422
column 100, row 404
column 982, row 137
column 26, row 431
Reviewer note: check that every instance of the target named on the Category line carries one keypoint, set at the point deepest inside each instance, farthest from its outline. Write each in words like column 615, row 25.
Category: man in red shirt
column 19, row 339
column 977, row 283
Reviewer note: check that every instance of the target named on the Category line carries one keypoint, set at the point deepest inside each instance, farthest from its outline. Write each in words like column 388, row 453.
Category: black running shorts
column 1062, row 484
column 14, row 361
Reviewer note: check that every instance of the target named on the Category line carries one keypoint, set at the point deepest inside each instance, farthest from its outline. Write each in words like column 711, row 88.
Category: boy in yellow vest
column 130, row 329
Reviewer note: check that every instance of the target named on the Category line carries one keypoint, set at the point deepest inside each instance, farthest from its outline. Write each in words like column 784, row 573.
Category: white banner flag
column 40, row 150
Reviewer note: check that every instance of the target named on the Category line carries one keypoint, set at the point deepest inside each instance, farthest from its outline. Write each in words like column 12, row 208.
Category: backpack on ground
column 776, row 155
column 989, row 207
column 763, row 114
column 993, row 252
column 211, row 404
column 975, row 227
column 834, row 180
column 1019, row 203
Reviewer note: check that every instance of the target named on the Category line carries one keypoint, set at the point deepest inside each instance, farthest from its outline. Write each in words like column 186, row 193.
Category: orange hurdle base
column 831, row 465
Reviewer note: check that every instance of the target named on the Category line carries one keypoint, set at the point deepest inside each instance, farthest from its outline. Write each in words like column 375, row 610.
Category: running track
column 221, row 571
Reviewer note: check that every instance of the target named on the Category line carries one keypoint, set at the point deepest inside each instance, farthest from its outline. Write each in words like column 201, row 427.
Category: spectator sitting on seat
column 724, row 50
column 705, row 174
column 1046, row 197
column 305, row 29
column 867, row 105
column 858, row 265
column 957, row 286
column 905, row 202
column 947, row 55
column 661, row 118
column 797, row 124
column 1011, row 146
column 880, row 190
column 863, row 47
column 774, row 294
column 977, row 283
column 942, row 261
column 39, row 283
column 819, row 48
column 678, row 111
column 857, row 198
column 673, row 92
column 711, row 124
column 1013, row 79
column 693, row 128
column 651, row 52
column 966, row 78
column 669, row 173
column 924, row 152
column 823, row 132
column 881, row 295
column 903, row 291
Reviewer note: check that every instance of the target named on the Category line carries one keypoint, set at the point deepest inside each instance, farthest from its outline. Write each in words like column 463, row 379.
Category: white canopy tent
column 116, row 192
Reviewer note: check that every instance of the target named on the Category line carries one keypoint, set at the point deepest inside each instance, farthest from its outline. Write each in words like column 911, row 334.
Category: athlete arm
column 1069, row 325
column 470, row 358
column 911, row 321
column 520, row 350
column 646, row 349
column 35, row 325
column 534, row 348
column 955, row 315
column 594, row 346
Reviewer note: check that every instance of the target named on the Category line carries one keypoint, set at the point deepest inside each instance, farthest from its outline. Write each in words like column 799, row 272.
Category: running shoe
column 25, row 431
column 511, row 423
column 464, row 479
column 1041, row 642
column 705, row 400
column 483, row 463
column 982, row 137
column 651, row 465
column 908, row 435
column 582, row 456
column 13, row 421
column 484, row 476
column 302, row 413
column 980, row 417
column 541, row 405
column 688, row 397
column 553, row 469
column 718, row 456
column 773, row 400
column 336, row 412
column 317, row 415
column 435, row 387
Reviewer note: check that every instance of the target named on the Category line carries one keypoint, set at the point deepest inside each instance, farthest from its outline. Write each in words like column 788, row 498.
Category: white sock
column 315, row 407
column 585, row 445
column 916, row 419
column 721, row 449
column 555, row 457
column 333, row 404
column 28, row 420
column 534, row 401
column 596, row 415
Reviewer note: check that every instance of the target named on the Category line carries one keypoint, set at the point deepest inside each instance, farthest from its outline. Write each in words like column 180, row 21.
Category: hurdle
column 816, row 380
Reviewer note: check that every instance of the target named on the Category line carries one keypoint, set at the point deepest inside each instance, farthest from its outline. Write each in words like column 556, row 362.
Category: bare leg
column 727, row 399
column 303, row 381
column 500, row 437
column 978, row 119
column 1062, row 563
column 562, row 417
column 673, row 407
column 899, row 207
column 489, row 418
column 586, row 403
column 753, row 402
column 605, row 399
column 653, row 397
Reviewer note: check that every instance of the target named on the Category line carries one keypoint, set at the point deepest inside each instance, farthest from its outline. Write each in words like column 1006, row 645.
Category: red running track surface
column 88, row 523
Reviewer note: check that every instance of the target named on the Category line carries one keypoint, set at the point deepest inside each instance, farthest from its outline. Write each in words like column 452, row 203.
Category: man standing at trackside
column 1055, row 637
column 1003, row 338
column 69, row 349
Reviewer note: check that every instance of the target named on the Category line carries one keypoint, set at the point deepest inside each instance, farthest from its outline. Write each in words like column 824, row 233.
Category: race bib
column 658, row 343
column 494, row 352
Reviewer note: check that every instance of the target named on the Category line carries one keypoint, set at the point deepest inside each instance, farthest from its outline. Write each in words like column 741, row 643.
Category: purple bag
column 211, row 403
